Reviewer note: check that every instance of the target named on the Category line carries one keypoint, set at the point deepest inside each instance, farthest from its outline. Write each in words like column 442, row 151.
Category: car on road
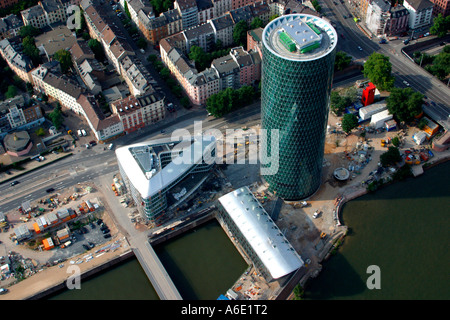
column 49, row 190
column 345, row 17
column 406, row 83
column 406, row 41
column 359, row 48
column 93, row 143
column 14, row 183
column 382, row 41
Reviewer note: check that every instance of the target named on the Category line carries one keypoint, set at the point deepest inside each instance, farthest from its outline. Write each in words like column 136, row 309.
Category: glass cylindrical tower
column 297, row 73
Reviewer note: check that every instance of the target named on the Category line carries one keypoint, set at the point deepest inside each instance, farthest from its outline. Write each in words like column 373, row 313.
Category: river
column 402, row 229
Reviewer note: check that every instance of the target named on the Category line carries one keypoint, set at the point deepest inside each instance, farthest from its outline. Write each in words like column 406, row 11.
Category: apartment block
column 10, row 26
column 45, row 13
column 19, row 63
column 420, row 13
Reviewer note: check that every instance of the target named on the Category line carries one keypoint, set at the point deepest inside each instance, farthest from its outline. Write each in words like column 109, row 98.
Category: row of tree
column 228, row 100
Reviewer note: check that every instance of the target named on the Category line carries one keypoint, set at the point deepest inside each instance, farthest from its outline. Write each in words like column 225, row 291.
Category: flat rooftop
column 299, row 37
column 141, row 165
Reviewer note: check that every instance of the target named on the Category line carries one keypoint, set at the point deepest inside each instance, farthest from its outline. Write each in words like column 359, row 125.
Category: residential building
column 298, row 64
column 45, row 13
column 377, row 16
column 104, row 128
column 235, row 4
column 153, row 170
column 10, row 26
column 19, row 63
column 94, row 19
column 254, row 40
column 59, row 38
column 188, row 11
column 58, row 87
column 205, row 10
column 138, row 112
column 397, row 22
column 420, row 13
column 7, row 3
column 202, row 36
column 136, row 75
column 441, row 7
column 237, row 69
column 221, row 7
column 223, row 29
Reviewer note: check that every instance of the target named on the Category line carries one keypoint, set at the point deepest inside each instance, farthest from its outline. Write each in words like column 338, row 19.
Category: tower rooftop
column 299, row 37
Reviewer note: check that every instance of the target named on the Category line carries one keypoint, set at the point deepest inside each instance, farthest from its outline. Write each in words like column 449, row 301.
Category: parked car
column 92, row 225
column 106, row 236
column 104, row 231
column 99, row 222
column 382, row 41
column 91, row 245
column 86, row 247
column 93, row 143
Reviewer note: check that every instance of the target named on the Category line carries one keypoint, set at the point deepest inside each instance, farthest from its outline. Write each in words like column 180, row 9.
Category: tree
column 199, row 56
column 29, row 48
column 273, row 17
column 125, row 7
column 256, row 23
column 97, row 49
column 378, row 69
column 390, row 157
column 240, row 33
column 65, row 60
column 349, row 122
column 11, row 93
column 405, row 103
column 342, row 60
column 29, row 31
column 40, row 132
column 440, row 25
column 141, row 43
column 56, row 117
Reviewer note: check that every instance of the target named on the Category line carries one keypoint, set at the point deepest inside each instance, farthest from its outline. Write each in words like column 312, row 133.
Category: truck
column 66, row 244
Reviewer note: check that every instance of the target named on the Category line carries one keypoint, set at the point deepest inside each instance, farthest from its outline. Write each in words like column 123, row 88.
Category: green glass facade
column 295, row 100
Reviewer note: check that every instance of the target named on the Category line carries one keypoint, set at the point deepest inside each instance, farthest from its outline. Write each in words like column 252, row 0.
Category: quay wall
column 85, row 275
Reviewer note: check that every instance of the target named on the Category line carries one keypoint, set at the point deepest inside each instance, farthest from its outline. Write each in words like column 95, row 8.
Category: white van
column 111, row 146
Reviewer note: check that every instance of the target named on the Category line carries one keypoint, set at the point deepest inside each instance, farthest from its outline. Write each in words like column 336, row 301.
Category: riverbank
column 54, row 278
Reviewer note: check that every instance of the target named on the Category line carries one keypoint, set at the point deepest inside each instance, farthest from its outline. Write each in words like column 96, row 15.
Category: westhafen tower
column 297, row 73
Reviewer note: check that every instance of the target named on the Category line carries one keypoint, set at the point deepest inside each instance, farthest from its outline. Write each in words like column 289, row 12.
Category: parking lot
column 90, row 235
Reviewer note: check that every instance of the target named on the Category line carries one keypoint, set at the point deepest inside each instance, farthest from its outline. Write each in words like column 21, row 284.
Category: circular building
column 341, row 174
column 18, row 144
column 297, row 73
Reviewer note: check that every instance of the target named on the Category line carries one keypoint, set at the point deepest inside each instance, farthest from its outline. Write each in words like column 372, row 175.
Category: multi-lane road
column 353, row 41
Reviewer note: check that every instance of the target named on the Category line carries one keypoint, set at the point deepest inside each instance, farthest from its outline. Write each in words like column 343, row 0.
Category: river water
column 402, row 229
